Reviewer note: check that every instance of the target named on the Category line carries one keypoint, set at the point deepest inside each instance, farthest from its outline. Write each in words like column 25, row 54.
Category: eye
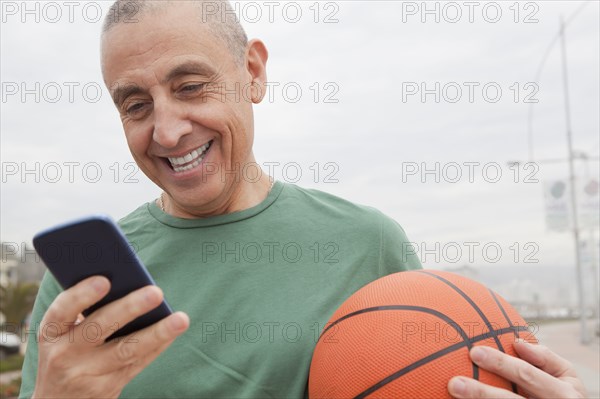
column 135, row 109
column 191, row 88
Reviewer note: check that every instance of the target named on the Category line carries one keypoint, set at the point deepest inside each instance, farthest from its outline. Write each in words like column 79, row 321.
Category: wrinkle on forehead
column 127, row 51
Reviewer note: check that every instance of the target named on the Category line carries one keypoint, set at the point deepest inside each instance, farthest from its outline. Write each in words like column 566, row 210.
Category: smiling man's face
column 186, row 106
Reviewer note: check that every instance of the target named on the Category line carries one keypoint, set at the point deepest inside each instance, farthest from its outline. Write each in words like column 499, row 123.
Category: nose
column 170, row 122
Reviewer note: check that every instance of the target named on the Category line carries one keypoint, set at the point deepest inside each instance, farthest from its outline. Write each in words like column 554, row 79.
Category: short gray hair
column 218, row 16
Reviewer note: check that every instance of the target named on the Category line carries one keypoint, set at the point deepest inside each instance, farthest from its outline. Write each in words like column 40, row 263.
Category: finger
column 105, row 321
column 64, row 311
column 80, row 318
column 532, row 379
column 463, row 387
column 553, row 364
column 136, row 350
column 114, row 375
column 542, row 357
column 124, row 375
column 135, row 368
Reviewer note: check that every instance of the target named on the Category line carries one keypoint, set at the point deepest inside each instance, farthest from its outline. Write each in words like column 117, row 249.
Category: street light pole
column 584, row 337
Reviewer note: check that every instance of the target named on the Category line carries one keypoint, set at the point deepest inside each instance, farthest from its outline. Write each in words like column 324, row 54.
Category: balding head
column 216, row 15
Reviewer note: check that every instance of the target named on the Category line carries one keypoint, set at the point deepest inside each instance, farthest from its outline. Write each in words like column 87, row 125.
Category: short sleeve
column 49, row 290
column 397, row 253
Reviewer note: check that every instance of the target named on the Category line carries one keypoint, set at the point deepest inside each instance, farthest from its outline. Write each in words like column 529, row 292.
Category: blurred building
column 536, row 292
column 8, row 272
column 19, row 264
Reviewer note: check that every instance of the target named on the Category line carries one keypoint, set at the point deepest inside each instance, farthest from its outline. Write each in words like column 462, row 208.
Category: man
column 256, row 267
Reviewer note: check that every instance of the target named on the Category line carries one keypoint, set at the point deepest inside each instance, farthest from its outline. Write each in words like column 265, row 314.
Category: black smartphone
column 96, row 246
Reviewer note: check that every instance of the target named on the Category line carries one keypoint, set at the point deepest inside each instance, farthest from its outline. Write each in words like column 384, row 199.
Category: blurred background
column 454, row 118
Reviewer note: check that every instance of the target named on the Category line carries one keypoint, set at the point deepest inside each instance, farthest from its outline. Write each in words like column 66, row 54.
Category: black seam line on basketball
column 502, row 310
column 512, row 384
column 435, row 356
column 400, row 307
column 468, row 299
column 433, row 312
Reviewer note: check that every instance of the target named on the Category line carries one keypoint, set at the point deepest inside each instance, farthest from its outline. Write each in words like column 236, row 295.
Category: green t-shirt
column 259, row 286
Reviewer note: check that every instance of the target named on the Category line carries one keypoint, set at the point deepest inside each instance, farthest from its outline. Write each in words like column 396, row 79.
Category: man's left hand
column 539, row 371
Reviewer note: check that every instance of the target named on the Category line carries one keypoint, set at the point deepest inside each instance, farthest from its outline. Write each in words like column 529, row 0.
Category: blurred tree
column 16, row 301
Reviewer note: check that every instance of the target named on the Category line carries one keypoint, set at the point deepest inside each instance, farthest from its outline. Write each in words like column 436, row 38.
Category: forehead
column 160, row 39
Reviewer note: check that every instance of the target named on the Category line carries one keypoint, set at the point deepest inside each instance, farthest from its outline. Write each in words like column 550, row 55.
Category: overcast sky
column 346, row 79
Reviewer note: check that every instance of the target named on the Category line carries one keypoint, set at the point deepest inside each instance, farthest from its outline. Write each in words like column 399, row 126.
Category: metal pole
column 594, row 269
column 582, row 317
column 530, row 132
column 593, row 257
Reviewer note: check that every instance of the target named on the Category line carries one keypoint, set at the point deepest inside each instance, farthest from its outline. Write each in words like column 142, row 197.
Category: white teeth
column 188, row 167
column 196, row 155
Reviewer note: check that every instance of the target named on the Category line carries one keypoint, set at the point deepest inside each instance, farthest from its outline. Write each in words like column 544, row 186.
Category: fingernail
column 177, row 323
column 150, row 295
column 99, row 284
column 478, row 354
column 458, row 386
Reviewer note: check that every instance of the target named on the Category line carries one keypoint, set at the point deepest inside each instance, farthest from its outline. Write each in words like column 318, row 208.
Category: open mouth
column 190, row 160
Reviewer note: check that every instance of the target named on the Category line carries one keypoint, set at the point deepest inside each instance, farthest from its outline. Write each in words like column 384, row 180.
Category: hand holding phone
column 69, row 363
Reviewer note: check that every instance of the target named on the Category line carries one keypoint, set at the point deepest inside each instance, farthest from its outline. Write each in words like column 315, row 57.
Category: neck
column 234, row 197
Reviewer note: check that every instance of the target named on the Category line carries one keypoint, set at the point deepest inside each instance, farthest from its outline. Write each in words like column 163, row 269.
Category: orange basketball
column 405, row 335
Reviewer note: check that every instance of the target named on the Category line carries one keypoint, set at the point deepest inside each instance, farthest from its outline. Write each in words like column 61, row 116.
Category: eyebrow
column 122, row 92
column 187, row 68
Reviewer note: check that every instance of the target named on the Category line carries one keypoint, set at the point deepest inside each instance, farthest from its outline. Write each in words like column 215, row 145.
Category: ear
column 256, row 65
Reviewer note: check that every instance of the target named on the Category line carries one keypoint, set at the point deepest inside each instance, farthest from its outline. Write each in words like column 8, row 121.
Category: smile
column 190, row 160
